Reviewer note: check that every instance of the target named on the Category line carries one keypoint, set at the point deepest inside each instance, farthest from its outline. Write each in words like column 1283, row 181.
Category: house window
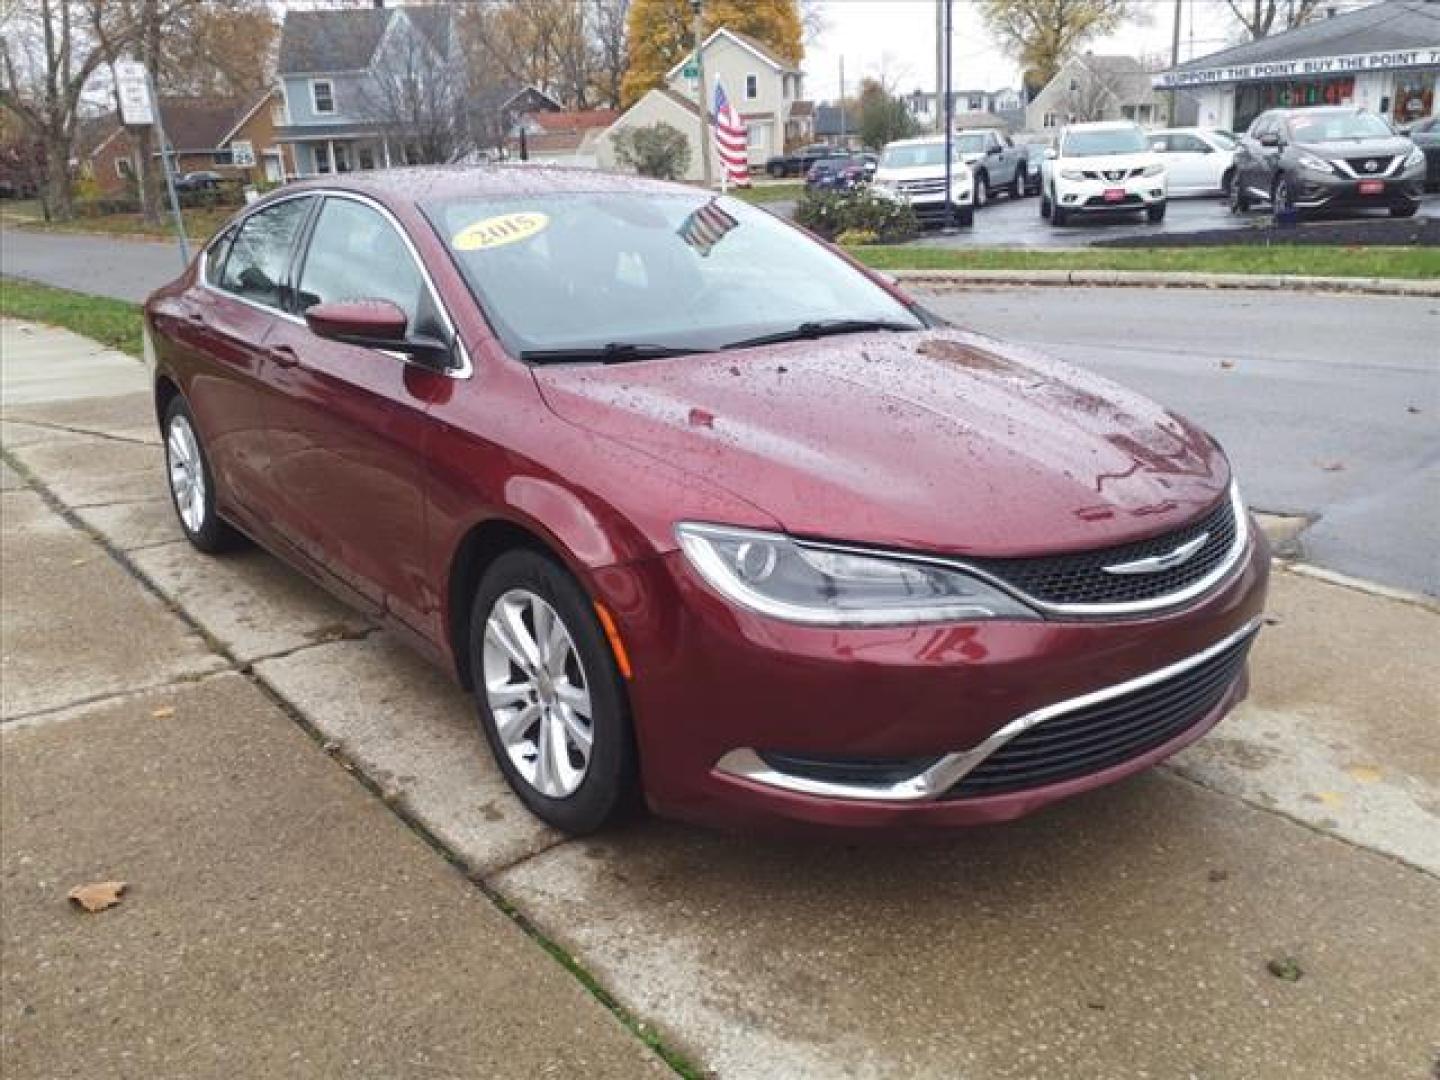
column 322, row 93
column 122, row 168
column 365, row 155
column 752, row 87
column 342, row 157
column 1049, row 121
column 321, row 154
column 222, row 157
column 977, row 103
column 242, row 153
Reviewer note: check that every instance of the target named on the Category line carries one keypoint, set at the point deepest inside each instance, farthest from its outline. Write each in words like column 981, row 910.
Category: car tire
column 1044, row 205
column 965, row 217
column 573, row 788
column 1059, row 216
column 1225, row 181
column 1155, row 214
column 191, row 482
column 1017, row 186
column 1282, row 198
column 1408, row 210
column 1239, row 201
column 982, row 190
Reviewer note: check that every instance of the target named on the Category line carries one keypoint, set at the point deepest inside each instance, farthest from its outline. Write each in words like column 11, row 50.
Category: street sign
column 132, row 83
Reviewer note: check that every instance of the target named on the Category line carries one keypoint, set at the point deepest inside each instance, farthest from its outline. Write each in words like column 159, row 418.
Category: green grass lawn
column 200, row 224
column 766, row 193
column 113, row 322
column 1385, row 262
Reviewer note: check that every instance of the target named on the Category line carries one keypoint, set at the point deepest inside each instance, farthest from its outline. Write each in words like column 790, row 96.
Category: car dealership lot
column 1302, row 832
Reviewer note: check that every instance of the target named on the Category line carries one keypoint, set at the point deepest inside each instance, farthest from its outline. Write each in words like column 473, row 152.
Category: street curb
column 1176, row 280
column 1372, row 588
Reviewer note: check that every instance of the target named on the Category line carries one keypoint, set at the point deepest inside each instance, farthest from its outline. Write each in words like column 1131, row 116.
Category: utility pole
column 939, row 61
column 1174, row 63
column 949, row 118
column 698, row 7
column 842, row 102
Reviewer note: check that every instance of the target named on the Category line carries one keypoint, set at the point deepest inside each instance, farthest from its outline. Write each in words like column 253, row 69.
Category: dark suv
column 1328, row 158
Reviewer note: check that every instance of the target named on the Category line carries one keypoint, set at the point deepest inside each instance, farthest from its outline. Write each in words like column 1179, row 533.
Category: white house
column 764, row 89
column 1094, row 87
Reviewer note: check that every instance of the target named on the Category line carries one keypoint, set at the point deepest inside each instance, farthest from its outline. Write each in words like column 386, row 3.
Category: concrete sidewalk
column 1128, row 933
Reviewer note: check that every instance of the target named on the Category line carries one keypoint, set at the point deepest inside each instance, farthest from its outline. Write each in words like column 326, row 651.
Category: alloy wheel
column 538, row 693
column 187, row 473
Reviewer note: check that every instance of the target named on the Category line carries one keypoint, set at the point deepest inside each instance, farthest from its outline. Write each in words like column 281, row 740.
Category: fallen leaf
column 1413, row 410
column 1364, row 774
column 164, row 712
column 1285, row 967
column 1227, row 363
column 1333, row 466
column 98, row 895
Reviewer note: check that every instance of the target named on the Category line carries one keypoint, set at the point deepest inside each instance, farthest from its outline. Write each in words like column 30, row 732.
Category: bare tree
column 1093, row 94
column 1260, row 17
column 612, row 49
column 417, row 99
column 48, row 54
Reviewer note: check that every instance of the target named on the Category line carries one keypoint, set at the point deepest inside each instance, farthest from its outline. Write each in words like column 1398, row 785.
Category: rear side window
column 215, row 256
column 258, row 258
column 356, row 254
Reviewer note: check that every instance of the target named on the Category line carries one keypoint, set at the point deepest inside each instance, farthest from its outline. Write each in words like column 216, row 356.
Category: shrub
column 857, row 238
column 658, row 150
column 833, row 214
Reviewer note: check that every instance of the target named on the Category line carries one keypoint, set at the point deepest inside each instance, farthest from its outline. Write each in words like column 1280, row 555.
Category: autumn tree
column 662, row 35
column 416, row 99
column 1043, row 34
column 883, row 116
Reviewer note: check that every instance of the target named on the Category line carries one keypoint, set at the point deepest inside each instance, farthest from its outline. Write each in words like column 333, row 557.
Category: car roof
column 418, row 183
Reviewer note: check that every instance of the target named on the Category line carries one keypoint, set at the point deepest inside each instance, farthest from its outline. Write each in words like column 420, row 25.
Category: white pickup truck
column 913, row 171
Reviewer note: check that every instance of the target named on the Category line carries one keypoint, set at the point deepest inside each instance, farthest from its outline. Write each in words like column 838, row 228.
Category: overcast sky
column 897, row 38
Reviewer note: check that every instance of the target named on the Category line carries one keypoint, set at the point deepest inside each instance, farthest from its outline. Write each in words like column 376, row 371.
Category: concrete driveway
column 1264, row 907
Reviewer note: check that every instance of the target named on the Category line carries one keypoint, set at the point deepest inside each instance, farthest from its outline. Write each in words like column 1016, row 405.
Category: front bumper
column 714, row 686
column 1330, row 191
column 1086, row 196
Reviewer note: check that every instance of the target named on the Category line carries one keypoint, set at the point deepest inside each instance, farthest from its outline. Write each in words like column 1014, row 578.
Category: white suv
column 1103, row 167
column 913, row 171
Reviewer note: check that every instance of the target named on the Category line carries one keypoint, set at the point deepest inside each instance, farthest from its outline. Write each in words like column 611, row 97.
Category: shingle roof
column 345, row 40
column 1392, row 24
column 200, row 123
column 575, row 121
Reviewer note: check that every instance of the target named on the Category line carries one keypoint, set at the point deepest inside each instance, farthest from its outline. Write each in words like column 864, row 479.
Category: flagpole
column 698, row 6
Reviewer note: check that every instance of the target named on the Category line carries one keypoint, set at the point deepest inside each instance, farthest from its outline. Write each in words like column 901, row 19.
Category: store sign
column 1318, row 66
column 132, row 85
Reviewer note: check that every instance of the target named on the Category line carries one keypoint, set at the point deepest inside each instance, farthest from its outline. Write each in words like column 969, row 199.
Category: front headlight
column 806, row 583
column 1153, row 170
column 1071, row 174
column 1415, row 157
column 1313, row 163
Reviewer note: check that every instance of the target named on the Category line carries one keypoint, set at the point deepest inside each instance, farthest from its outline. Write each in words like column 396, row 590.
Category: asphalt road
column 1328, row 405
column 1316, row 410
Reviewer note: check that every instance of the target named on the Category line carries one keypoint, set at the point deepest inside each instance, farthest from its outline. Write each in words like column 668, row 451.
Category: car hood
column 1350, row 148
column 935, row 440
column 919, row 172
column 1109, row 162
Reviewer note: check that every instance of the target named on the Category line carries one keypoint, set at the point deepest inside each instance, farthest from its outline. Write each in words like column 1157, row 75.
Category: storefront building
column 1385, row 58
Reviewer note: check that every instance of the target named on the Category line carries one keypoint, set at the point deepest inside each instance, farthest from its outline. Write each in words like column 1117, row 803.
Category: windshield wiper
column 615, row 352
column 807, row 331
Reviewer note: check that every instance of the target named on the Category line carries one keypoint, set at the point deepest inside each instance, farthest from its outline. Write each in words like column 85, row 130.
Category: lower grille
column 847, row 770
column 1110, row 732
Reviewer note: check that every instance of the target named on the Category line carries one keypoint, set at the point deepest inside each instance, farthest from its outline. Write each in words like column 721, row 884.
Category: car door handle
column 283, row 355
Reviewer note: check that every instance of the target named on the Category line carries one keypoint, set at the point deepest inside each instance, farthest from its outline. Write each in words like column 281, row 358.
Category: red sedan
column 699, row 508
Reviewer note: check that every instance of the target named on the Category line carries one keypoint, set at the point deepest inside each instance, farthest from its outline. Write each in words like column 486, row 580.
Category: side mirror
column 1270, row 139
column 375, row 324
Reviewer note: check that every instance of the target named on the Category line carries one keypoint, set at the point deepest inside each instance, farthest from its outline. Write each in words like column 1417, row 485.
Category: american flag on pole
column 731, row 143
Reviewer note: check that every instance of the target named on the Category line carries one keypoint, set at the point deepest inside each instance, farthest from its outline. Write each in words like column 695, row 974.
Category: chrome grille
column 1082, row 578
column 922, row 187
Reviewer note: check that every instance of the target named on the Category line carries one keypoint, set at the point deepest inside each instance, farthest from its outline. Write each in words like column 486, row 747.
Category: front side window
column 1183, row 143
column 583, row 271
column 258, row 259
column 322, row 92
column 356, row 254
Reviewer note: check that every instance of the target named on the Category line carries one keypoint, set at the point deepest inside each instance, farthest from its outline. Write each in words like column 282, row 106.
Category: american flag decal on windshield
column 703, row 229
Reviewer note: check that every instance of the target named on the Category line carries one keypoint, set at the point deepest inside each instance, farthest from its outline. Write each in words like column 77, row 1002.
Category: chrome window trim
column 939, row 778
column 463, row 370
column 1133, row 607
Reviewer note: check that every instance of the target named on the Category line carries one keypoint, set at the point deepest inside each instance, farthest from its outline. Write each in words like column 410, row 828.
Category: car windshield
column 907, row 157
column 1101, row 141
column 632, row 273
column 971, row 143
column 1330, row 127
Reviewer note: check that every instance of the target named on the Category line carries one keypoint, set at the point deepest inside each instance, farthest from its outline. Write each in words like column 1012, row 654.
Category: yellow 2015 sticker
column 501, row 230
